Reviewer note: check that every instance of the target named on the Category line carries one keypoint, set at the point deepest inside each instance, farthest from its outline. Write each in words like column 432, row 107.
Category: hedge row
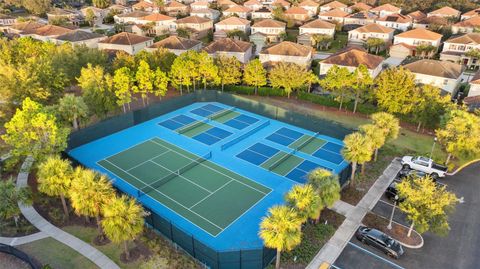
column 247, row 90
column 326, row 100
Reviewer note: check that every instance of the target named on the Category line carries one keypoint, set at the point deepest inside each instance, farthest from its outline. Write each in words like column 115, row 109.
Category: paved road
column 460, row 249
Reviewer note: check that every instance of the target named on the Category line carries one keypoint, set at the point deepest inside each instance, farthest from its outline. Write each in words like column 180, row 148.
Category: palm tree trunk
column 143, row 101
column 64, row 203
column 363, row 168
column 341, row 103
column 181, row 89
column 193, row 82
column 418, row 126
column 355, row 103
column 448, row 158
column 375, row 155
column 129, row 108
column 352, row 177
column 127, row 253
column 124, row 109
column 410, row 229
column 75, row 123
column 222, row 86
column 99, row 226
column 204, row 84
column 277, row 260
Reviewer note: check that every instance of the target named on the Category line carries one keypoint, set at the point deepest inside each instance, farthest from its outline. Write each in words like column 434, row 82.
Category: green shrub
column 326, row 100
column 248, row 90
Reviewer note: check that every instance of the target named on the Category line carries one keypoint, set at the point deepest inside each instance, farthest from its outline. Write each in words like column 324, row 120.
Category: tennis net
column 190, row 126
column 244, row 135
column 281, row 160
column 221, row 113
column 151, row 187
column 306, row 142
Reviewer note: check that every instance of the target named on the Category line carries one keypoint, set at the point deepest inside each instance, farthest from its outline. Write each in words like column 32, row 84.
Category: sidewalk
column 48, row 229
column 15, row 241
column 354, row 215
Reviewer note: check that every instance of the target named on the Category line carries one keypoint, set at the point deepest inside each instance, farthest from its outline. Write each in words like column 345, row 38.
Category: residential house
column 287, row 51
column 20, row 27
column 128, row 42
column 240, row 11
column 456, row 49
column 253, row 5
column 357, row 7
column 147, row 6
column 333, row 5
column 6, row 20
column 175, row 8
column 316, row 27
column 351, row 58
column 208, row 13
column 474, row 85
column 466, row 26
column 361, row 34
column 417, row 16
column 284, row 4
column 233, row 24
column 396, row 21
column 336, row 16
column 155, row 24
column 437, row 21
column 231, row 48
column 130, row 18
column 99, row 13
column 445, row 12
column 176, row 45
column 271, row 28
column 226, row 4
column 197, row 25
column 297, row 14
column 69, row 16
column 46, row 32
column 359, row 18
column 441, row 74
column 80, row 38
column 199, row 5
column 262, row 13
column 119, row 9
column 385, row 10
column 310, row 6
column 404, row 44
column 470, row 14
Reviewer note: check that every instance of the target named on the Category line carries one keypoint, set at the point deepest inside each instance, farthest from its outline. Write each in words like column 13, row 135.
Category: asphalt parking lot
column 460, row 249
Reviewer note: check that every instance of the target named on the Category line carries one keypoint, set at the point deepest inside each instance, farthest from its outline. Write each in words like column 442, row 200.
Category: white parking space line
column 375, row 255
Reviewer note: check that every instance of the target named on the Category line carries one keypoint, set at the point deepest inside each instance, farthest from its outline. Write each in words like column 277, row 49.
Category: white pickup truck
column 425, row 165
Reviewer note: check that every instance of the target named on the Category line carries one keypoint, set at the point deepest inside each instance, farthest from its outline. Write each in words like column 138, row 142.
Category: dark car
column 411, row 173
column 392, row 192
column 379, row 240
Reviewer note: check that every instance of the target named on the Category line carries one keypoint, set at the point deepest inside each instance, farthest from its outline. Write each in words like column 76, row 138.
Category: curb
column 462, row 167
column 404, row 244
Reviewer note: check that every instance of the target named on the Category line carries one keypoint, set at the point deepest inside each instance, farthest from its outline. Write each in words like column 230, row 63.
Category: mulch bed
column 397, row 232
column 351, row 195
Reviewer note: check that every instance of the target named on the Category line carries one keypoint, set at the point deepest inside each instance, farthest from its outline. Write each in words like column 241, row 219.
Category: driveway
column 460, row 249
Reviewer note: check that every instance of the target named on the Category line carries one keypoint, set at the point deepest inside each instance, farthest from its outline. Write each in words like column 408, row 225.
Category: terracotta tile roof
column 354, row 57
column 288, row 48
column 434, row 20
column 251, row 3
column 445, row 11
column 228, row 45
column 472, row 22
column 472, row 13
column 78, row 35
column 386, row 7
column 475, row 78
column 176, row 43
column 374, row 28
column 471, row 38
column 399, row 18
column 26, row 26
column 263, row 10
column 361, row 6
column 269, row 23
column 417, row 15
column 173, row 4
column 48, row 30
column 472, row 100
column 335, row 4
column 283, row 3
column 134, row 14
column 238, row 8
column 193, row 19
column 436, row 68
column 157, row 17
column 410, row 47
column 338, row 13
column 125, row 38
column 200, row 4
column 233, row 21
column 296, row 10
column 318, row 23
column 143, row 4
column 61, row 11
column 420, row 33
column 226, row 3
column 308, row 3
column 366, row 15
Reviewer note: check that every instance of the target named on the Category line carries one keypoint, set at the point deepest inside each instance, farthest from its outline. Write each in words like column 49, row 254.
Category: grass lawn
column 57, row 255
column 339, row 42
column 111, row 250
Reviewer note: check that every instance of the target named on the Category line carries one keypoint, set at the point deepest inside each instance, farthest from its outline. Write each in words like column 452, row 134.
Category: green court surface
column 282, row 163
column 226, row 116
column 208, row 195
column 194, row 129
column 308, row 144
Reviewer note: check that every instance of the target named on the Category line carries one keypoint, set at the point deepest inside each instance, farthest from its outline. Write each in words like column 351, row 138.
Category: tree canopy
column 281, row 77
column 396, row 90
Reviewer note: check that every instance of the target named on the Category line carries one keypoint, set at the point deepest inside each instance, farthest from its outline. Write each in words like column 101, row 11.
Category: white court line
column 221, row 172
column 212, row 193
column 147, row 161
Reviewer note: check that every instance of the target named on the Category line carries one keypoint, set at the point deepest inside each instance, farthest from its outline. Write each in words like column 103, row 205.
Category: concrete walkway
column 15, row 241
column 354, row 215
column 49, row 229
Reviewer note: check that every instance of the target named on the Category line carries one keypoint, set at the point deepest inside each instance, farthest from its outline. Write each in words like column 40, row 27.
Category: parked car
column 411, row 173
column 391, row 192
column 379, row 240
column 425, row 165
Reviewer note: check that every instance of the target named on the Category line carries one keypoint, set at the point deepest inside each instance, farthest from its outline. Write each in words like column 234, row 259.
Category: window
column 445, row 81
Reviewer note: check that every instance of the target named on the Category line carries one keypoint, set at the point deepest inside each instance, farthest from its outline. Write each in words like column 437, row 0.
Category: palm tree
column 376, row 137
column 10, row 197
column 388, row 123
column 281, row 230
column 73, row 108
column 89, row 192
column 123, row 221
column 326, row 186
column 358, row 150
column 304, row 199
column 55, row 178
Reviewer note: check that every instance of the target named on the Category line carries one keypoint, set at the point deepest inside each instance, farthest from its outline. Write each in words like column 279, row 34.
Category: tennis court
column 308, row 144
column 208, row 195
column 227, row 116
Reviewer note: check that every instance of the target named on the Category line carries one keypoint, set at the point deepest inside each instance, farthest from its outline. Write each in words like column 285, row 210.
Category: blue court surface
column 257, row 151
